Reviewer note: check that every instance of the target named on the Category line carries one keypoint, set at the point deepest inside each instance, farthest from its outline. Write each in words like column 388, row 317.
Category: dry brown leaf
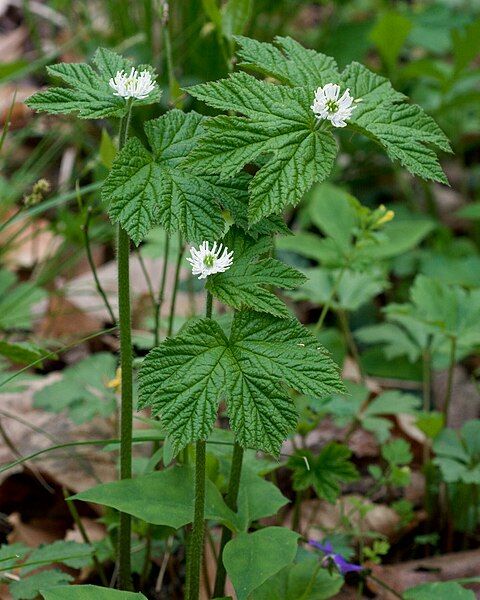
column 20, row 112
column 11, row 44
column 408, row 574
column 34, row 243
column 74, row 468
column 318, row 515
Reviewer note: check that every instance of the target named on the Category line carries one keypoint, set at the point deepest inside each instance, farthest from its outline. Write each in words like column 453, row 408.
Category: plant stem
column 91, row 262
column 297, row 510
column 195, row 555
column 161, row 291
column 126, row 408
column 328, row 303
column 196, row 541
column 451, row 369
column 342, row 317
column 175, row 285
column 78, row 522
column 231, row 502
column 426, row 385
column 385, row 586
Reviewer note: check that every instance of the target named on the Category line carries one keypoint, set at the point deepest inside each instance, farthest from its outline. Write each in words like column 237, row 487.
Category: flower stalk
column 126, row 407
column 195, row 557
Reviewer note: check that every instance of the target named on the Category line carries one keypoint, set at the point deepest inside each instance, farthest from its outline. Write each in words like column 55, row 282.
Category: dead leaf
column 408, row 574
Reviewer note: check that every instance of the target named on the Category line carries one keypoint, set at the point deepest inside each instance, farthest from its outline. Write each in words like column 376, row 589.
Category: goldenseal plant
column 187, row 175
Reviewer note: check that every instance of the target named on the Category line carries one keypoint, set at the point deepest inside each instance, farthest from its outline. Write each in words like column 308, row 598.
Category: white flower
column 206, row 261
column 328, row 105
column 136, row 85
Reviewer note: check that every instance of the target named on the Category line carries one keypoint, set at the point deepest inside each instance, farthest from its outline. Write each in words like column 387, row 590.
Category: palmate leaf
column 278, row 123
column 243, row 284
column 402, row 129
column 325, row 472
column 146, row 188
column 186, row 377
column 89, row 94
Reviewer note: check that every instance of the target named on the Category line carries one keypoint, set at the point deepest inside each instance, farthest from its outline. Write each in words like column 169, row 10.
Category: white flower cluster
column 206, row 261
column 136, row 85
column 328, row 105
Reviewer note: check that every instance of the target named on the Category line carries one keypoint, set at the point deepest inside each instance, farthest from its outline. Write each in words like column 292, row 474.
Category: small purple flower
column 332, row 558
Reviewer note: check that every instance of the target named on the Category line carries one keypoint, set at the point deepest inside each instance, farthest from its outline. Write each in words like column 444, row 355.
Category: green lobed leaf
column 281, row 124
column 89, row 94
column 278, row 124
column 325, row 472
column 147, row 188
column 251, row 558
column 186, row 377
column 243, row 285
column 405, row 131
column 289, row 63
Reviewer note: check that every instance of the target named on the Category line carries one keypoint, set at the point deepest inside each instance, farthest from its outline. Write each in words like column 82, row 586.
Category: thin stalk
column 161, row 291
column 148, row 280
column 297, row 510
column 178, row 266
column 126, row 365
column 385, row 586
column 78, row 522
column 426, row 389
column 195, row 555
column 173, row 85
column 451, row 369
column 231, row 502
column 328, row 303
column 311, row 583
column 91, row 262
column 342, row 317
column 196, row 542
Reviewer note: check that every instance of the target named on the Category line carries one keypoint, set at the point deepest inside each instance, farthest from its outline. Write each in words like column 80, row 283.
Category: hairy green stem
column 195, row 554
column 173, row 304
column 196, row 539
column 231, row 502
column 126, row 365
column 451, row 369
